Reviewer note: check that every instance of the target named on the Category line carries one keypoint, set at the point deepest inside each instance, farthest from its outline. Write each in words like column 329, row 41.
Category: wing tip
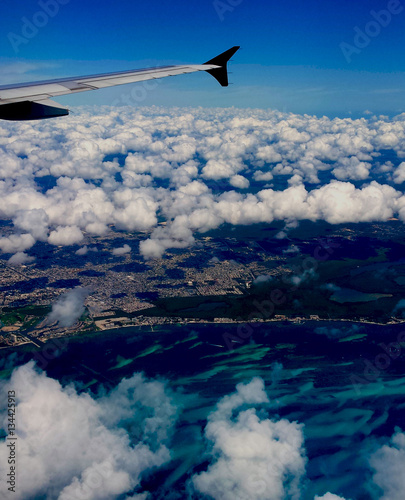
column 221, row 73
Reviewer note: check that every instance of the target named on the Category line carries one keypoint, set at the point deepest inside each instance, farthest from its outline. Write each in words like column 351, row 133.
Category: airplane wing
column 31, row 101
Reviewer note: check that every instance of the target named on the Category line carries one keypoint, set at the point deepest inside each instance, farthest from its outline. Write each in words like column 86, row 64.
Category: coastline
column 170, row 322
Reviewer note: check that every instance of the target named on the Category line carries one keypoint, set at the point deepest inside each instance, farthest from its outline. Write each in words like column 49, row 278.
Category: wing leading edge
column 31, row 101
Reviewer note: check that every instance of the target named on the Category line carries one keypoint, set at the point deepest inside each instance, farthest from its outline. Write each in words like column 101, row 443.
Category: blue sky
column 292, row 57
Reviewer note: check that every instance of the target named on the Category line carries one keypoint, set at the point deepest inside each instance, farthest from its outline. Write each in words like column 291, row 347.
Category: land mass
column 317, row 271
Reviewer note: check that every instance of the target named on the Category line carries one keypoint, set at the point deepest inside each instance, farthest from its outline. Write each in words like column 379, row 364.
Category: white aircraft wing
column 31, row 101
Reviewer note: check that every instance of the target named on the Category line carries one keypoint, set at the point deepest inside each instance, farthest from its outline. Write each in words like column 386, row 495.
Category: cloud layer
column 73, row 444
column 194, row 169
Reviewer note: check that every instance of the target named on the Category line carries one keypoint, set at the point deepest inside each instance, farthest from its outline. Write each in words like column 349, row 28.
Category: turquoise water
column 314, row 379
column 346, row 295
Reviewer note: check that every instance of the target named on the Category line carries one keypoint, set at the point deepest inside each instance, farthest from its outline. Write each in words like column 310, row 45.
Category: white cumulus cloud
column 16, row 243
column 73, row 445
column 121, row 250
column 69, row 307
column 329, row 496
column 20, row 258
column 253, row 457
column 388, row 463
column 64, row 236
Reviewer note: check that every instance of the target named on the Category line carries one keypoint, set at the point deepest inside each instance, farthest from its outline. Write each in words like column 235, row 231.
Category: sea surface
column 334, row 377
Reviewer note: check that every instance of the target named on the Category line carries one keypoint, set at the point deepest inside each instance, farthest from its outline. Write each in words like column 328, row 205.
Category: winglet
column 221, row 74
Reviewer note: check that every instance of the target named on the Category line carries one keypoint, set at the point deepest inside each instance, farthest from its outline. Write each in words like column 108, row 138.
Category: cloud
column 399, row 309
column 328, row 496
column 20, row 70
column 64, row 236
column 252, row 457
column 16, row 243
column 73, row 445
column 135, row 213
column 19, row 259
column 388, row 463
column 352, row 168
column 85, row 250
column 306, row 275
column 121, row 250
column 240, row 182
column 33, row 221
column 218, row 170
column 69, row 307
column 262, row 279
column 281, row 235
column 214, row 260
column 262, row 176
column 291, row 249
column 177, row 235
column 182, row 168
column 399, row 174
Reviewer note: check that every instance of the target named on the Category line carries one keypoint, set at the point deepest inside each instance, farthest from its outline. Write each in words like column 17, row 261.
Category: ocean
column 345, row 382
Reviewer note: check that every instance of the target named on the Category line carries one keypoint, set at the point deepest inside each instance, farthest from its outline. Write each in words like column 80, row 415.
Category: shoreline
column 224, row 321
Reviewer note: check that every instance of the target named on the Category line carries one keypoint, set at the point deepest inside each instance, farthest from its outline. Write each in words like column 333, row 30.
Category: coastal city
column 122, row 289
column 120, row 286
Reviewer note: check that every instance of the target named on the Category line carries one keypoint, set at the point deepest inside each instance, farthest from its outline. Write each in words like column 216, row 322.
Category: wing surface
column 31, row 101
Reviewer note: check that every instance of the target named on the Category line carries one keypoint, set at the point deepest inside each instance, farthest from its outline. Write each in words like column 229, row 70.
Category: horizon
column 335, row 60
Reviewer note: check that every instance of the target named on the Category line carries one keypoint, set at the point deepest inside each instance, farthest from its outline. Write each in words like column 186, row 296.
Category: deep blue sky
column 291, row 59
